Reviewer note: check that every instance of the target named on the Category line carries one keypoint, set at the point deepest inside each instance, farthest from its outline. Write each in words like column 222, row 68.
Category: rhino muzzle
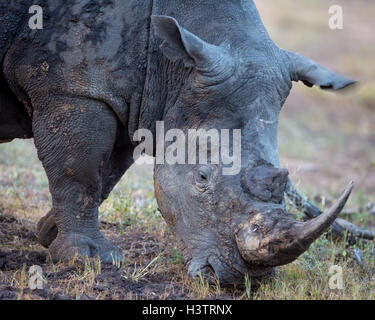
column 273, row 237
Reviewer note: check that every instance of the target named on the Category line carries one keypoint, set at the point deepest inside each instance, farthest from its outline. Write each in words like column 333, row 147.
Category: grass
column 139, row 273
column 325, row 140
column 309, row 276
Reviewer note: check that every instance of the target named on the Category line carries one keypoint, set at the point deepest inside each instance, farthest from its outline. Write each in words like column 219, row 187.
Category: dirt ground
column 88, row 280
column 326, row 139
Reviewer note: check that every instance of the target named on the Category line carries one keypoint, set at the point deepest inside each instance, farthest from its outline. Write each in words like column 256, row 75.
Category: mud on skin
column 99, row 70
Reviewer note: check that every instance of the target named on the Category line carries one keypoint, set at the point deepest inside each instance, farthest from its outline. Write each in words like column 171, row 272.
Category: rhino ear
column 181, row 44
column 311, row 73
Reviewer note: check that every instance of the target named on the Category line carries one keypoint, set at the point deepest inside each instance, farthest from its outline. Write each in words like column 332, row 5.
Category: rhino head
column 234, row 224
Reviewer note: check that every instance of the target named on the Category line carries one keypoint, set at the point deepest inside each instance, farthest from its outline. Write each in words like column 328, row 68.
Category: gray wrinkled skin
column 99, row 70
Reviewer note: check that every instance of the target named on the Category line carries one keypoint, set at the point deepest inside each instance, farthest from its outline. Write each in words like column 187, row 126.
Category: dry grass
column 325, row 140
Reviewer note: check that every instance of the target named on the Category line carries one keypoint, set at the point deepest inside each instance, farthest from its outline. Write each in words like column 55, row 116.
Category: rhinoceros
column 99, row 70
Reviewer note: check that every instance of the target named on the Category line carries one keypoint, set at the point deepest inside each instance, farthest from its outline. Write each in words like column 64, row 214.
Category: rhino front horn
column 274, row 237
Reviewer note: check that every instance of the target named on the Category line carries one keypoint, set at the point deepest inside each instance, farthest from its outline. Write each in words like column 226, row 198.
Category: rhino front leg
column 75, row 139
column 119, row 162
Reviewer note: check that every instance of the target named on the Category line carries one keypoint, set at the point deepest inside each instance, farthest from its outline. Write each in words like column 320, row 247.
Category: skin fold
column 100, row 70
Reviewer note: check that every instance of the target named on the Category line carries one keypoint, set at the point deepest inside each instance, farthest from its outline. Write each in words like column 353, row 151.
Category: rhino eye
column 204, row 174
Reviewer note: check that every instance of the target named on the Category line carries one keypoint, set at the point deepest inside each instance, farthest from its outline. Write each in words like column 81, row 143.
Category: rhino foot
column 67, row 247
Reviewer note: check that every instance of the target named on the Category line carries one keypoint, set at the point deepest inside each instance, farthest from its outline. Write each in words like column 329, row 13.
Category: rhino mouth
column 215, row 269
